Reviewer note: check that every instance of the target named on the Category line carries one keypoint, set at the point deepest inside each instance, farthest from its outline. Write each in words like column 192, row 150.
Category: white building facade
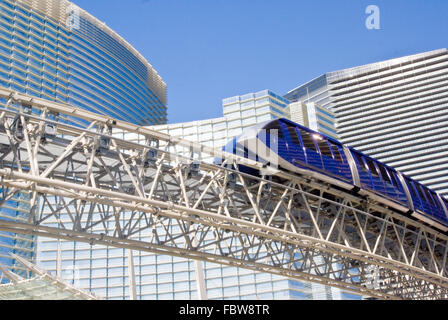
column 395, row 111
column 313, row 116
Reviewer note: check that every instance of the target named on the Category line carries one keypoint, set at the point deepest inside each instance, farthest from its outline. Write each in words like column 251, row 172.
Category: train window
column 436, row 200
column 411, row 189
column 430, row 197
column 372, row 167
column 275, row 125
column 308, row 140
column 394, row 178
column 384, row 173
column 324, row 148
column 420, row 191
column 361, row 162
column 336, row 153
column 293, row 134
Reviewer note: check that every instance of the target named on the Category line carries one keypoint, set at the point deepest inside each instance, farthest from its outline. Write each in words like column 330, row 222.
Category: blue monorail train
column 301, row 150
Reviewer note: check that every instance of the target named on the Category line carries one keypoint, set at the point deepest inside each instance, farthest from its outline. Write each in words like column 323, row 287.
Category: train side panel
column 379, row 178
column 306, row 149
column 426, row 201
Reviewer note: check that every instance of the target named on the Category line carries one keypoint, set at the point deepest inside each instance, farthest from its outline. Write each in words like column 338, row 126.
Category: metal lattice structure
column 111, row 189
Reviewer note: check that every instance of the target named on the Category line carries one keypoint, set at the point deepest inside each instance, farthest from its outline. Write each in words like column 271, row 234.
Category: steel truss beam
column 152, row 196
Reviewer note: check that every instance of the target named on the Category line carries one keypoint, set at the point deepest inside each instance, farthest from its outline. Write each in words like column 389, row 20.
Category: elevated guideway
column 88, row 184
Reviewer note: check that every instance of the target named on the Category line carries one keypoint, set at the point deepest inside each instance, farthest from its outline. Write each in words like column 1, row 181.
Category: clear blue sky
column 207, row 50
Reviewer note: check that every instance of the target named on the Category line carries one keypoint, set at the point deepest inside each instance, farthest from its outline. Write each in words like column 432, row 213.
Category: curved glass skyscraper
column 54, row 50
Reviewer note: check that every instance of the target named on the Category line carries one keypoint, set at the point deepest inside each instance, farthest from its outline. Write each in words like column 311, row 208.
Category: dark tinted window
column 360, row 161
column 372, row 167
column 276, row 126
column 324, row 148
column 431, row 197
column 308, row 140
column 394, row 178
column 420, row 191
column 411, row 189
column 384, row 172
column 336, row 153
column 293, row 134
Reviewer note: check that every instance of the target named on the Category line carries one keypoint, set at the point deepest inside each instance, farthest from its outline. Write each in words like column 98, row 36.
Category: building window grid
column 386, row 129
column 395, row 86
column 368, row 104
column 389, row 145
column 373, row 84
column 394, row 73
column 396, row 137
column 397, row 111
column 55, row 32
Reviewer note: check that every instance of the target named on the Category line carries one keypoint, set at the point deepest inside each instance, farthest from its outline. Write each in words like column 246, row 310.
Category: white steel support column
column 131, row 274
column 200, row 281
column 201, row 287
column 59, row 260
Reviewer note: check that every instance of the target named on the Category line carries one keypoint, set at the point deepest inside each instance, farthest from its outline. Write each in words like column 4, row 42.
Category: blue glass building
column 17, row 209
column 54, row 50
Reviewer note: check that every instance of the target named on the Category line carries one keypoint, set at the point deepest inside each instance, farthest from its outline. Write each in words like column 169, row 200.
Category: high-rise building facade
column 54, row 50
column 104, row 271
column 395, row 111
column 16, row 209
column 240, row 112
column 313, row 116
